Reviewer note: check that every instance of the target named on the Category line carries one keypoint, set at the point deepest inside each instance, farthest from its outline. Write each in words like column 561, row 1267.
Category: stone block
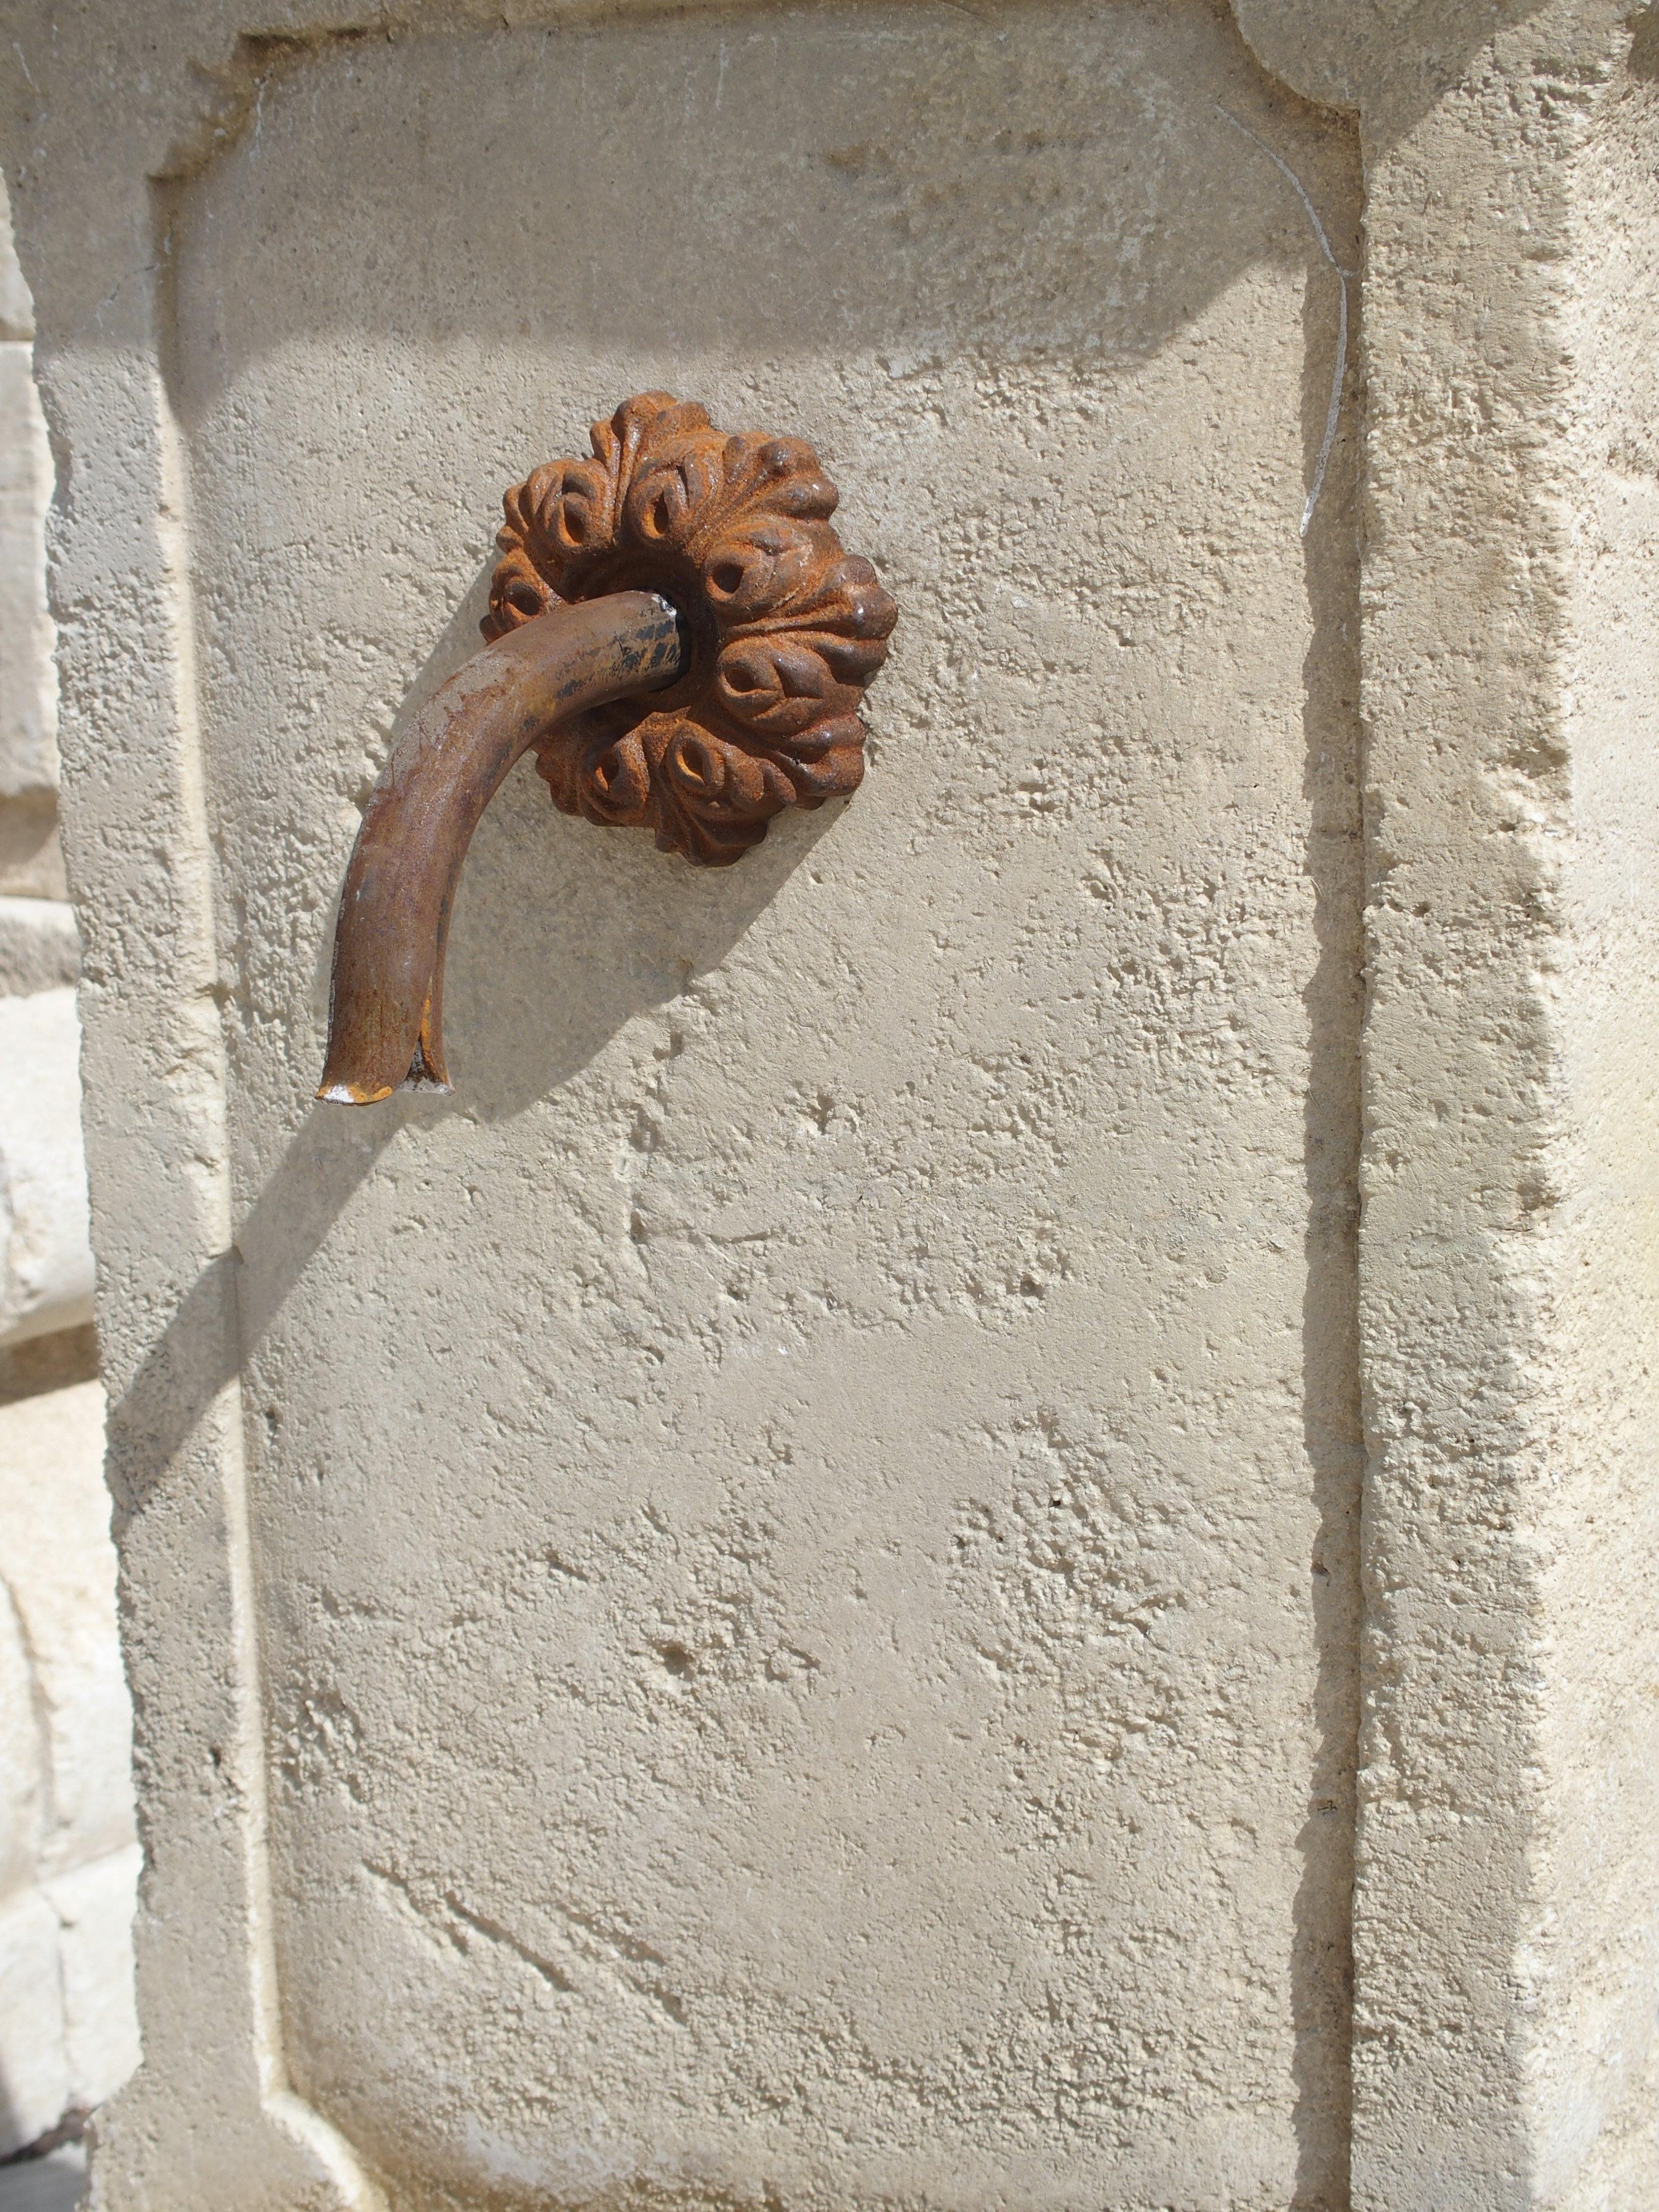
column 35, row 2074
column 47, row 1279
column 71, row 1863
column 23, row 1752
column 28, row 691
column 94, row 1906
column 59, row 1563
column 39, row 946
column 976, row 1525
column 17, row 309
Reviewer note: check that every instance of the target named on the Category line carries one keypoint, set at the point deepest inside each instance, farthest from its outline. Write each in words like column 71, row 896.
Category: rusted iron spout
column 386, row 1007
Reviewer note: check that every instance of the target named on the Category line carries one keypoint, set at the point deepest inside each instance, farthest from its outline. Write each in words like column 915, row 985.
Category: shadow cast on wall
column 1394, row 58
column 1089, row 214
column 907, row 238
column 546, row 962
column 548, row 1020
column 1018, row 243
column 891, row 232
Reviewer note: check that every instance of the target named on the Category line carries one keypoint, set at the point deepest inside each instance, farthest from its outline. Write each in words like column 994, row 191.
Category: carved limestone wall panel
column 806, row 1513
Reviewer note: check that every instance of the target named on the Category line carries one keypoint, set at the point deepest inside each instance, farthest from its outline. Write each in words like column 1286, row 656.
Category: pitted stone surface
column 806, row 1519
column 796, row 1529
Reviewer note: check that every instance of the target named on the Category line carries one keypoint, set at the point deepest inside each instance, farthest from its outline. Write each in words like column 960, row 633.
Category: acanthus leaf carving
column 785, row 629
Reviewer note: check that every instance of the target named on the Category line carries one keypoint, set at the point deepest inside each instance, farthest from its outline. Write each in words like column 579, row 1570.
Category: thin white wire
column 1334, row 412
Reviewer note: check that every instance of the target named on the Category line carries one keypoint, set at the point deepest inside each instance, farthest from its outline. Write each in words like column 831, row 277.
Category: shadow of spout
column 385, row 1005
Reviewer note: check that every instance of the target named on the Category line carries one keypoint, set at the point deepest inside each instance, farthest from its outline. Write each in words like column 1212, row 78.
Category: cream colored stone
column 29, row 691
column 35, row 2078
column 763, row 1607
column 40, row 945
column 47, row 1279
column 22, row 1755
column 1506, row 1764
column 95, row 1905
column 17, row 309
column 67, row 1881
column 60, row 1563
column 844, row 1333
column 67, row 1861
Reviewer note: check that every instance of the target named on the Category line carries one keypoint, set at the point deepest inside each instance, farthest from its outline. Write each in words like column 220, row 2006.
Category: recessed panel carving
column 805, row 1525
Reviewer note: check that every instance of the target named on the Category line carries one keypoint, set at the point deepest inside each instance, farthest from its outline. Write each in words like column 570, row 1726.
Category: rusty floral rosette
column 784, row 628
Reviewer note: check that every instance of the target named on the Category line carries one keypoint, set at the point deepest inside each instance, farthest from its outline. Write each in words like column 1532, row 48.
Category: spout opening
column 347, row 1094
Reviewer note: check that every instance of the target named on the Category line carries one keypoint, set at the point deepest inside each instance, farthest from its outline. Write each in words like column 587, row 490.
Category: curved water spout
column 385, row 1005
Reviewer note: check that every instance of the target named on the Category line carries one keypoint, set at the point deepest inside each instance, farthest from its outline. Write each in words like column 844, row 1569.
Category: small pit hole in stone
column 676, row 1660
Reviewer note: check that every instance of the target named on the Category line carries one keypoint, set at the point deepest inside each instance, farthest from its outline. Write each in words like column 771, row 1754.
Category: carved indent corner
column 784, row 628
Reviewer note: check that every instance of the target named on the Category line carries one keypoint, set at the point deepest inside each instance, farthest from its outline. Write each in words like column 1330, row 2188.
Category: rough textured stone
column 94, row 1904
column 40, row 945
column 29, row 689
column 33, row 2056
column 70, row 1863
column 28, row 749
column 820, row 1335
column 60, row 1571
column 68, row 1857
column 763, row 1607
column 46, row 1278
column 22, row 1757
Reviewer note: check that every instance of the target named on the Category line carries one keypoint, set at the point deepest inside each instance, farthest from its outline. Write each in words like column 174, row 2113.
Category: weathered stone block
column 45, row 1266
column 33, row 2061
column 28, row 691
column 973, row 1527
column 40, row 945
column 95, row 1904
column 60, row 1563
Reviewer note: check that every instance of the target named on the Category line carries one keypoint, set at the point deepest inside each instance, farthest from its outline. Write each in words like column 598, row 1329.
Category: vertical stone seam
column 1347, row 391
